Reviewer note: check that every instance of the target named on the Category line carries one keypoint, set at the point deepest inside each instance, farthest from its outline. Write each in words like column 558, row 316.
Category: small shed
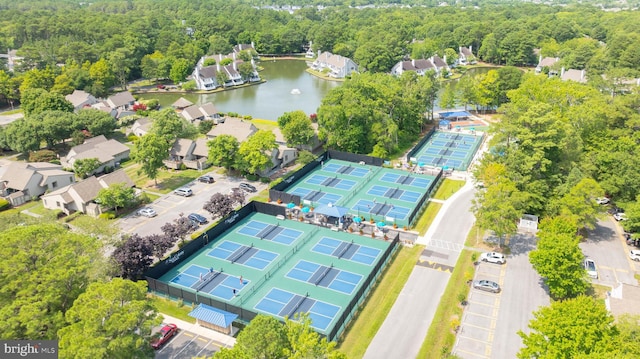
column 214, row 318
column 444, row 124
column 528, row 223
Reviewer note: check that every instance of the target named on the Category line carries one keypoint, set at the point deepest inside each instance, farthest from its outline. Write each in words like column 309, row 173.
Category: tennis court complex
column 449, row 149
column 262, row 264
column 378, row 193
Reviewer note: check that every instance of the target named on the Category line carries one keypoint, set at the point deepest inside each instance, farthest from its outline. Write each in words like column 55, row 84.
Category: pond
column 288, row 88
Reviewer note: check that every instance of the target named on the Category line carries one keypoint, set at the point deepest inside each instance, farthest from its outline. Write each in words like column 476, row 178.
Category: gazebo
column 213, row 318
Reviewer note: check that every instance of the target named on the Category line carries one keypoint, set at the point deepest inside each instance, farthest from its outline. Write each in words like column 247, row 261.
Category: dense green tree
column 34, row 101
column 22, row 135
column 169, row 125
column 448, row 97
column 116, row 196
column 85, row 167
column 559, row 260
column 38, row 79
column 223, row 151
column 95, row 121
column 53, row 125
column 254, row 154
column 579, row 204
column 296, row 128
column 149, row 151
column 305, row 157
column 575, row 328
column 44, row 269
column 110, row 320
column 180, row 69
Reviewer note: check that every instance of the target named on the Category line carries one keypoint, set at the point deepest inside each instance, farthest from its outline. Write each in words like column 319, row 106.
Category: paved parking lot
column 169, row 206
column 477, row 327
column 187, row 344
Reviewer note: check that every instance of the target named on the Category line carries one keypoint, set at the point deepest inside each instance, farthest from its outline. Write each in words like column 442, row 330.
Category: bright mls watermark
column 44, row 349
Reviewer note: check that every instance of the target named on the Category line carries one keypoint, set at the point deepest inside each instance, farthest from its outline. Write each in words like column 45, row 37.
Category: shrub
column 205, row 126
column 252, row 176
column 4, row 204
column 57, row 162
column 265, row 179
column 274, row 183
column 72, row 216
column 107, row 215
column 189, row 85
column 247, row 117
column 42, row 156
column 183, row 167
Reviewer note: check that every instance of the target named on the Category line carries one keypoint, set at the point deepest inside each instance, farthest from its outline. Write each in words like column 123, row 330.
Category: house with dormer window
column 336, row 66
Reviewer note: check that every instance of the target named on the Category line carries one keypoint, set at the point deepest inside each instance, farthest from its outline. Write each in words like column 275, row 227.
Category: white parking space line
column 186, row 345
column 445, row 244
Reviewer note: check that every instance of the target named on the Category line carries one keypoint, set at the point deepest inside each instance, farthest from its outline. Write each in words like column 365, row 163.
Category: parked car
column 634, row 254
column 194, row 217
column 590, row 267
column 147, row 212
column 486, row 285
column 206, row 179
column 493, row 257
column 164, row 335
column 183, row 191
column 602, row 200
column 620, row 216
column 247, row 187
column 614, row 210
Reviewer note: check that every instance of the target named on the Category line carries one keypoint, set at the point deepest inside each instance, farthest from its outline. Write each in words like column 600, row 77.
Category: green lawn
column 172, row 308
column 441, row 335
column 447, row 188
column 427, row 217
column 378, row 305
column 168, row 180
column 98, row 226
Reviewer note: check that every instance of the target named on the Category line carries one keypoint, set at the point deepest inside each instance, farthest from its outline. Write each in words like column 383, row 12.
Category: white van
column 183, row 191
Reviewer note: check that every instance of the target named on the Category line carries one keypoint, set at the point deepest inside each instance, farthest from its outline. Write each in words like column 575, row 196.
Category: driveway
column 403, row 331
column 188, row 344
column 607, row 247
column 169, row 206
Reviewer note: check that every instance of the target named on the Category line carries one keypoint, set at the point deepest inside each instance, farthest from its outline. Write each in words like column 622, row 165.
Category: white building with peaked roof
column 23, row 181
column 337, row 66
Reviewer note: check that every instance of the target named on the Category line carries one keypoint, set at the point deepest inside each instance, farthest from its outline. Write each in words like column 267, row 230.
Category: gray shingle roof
column 234, row 127
column 182, row 103
column 213, row 315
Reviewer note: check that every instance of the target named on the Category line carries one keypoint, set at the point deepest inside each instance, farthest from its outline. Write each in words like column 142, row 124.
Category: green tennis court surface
column 449, row 149
column 281, row 268
column 382, row 194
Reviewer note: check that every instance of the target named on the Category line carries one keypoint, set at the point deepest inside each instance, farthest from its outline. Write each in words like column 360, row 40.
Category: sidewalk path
column 225, row 340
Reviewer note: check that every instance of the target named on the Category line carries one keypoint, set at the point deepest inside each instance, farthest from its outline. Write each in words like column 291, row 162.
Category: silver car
column 590, row 267
column 147, row 212
column 486, row 285
column 493, row 257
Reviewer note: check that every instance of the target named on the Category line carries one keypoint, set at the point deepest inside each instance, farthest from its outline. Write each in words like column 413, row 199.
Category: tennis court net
column 273, row 228
column 344, row 251
column 208, row 278
column 324, row 274
column 236, row 257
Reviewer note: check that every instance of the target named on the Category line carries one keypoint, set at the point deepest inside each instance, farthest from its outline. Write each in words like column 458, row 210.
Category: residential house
column 121, row 101
column 181, row 104
column 237, row 49
column 197, row 113
column 81, row 196
column 547, row 62
column 235, row 127
column 21, row 182
column 421, row 66
column 109, row 152
column 285, row 154
column 465, row 56
column 81, row 99
column 337, row 66
column 141, row 126
column 208, row 77
column 573, row 75
column 191, row 154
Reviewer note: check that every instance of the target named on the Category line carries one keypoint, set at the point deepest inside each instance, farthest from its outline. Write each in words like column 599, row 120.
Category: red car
column 165, row 334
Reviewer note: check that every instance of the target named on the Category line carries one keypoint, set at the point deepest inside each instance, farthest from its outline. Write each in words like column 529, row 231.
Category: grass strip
column 441, row 335
column 172, row 308
column 447, row 188
column 378, row 304
column 427, row 217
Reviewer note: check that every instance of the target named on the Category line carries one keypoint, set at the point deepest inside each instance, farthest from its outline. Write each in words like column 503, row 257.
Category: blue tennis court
column 210, row 281
column 323, row 276
column 316, row 196
column 286, row 305
column 334, row 182
column 346, row 170
column 394, row 193
column 346, row 250
column 241, row 254
column 440, row 161
column 270, row 232
column 406, row 180
column 381, row 209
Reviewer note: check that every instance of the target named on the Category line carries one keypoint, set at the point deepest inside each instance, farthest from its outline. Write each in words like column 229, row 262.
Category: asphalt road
column 606, row 246
column 171, row 205
column 405, row 328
